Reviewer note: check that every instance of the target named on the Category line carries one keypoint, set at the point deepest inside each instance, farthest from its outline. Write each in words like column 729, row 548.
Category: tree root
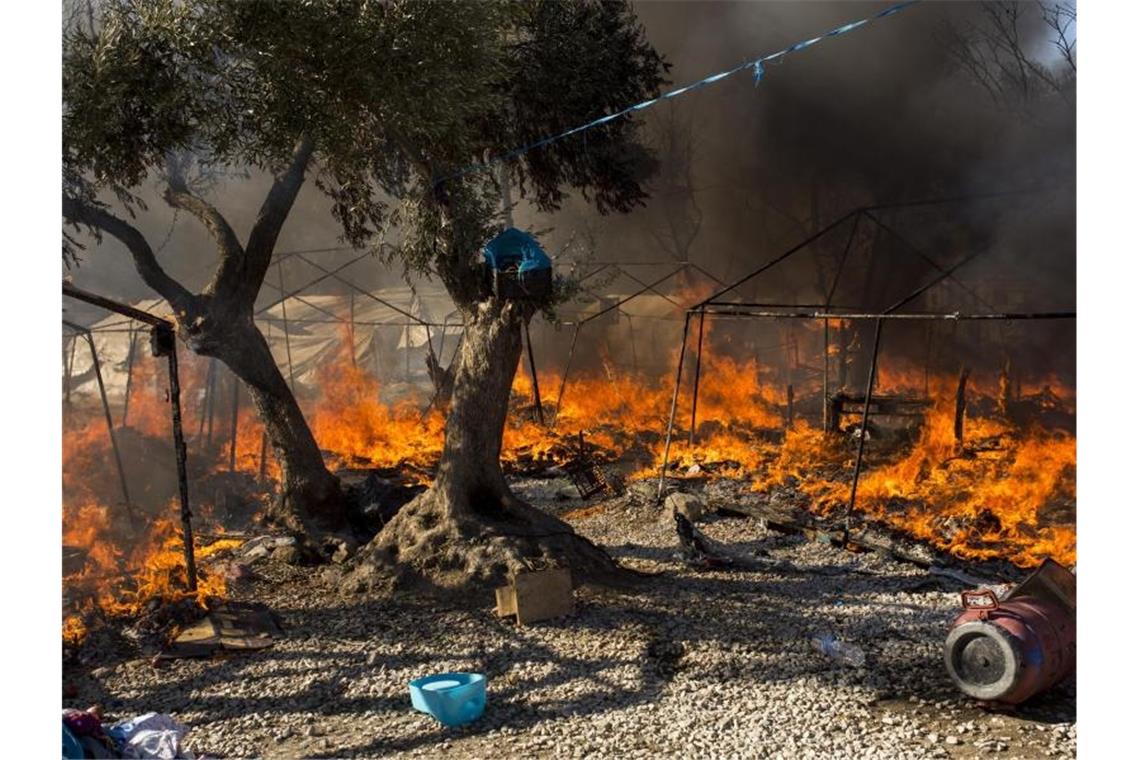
column 427, row 545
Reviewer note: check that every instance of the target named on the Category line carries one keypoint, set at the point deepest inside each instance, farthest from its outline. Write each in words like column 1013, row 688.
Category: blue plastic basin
column 451, row 698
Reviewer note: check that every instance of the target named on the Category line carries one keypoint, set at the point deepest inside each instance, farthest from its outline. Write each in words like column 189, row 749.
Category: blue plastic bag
column 514, row 249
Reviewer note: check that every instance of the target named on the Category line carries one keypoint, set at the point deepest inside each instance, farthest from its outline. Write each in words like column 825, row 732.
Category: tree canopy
column 389, row 96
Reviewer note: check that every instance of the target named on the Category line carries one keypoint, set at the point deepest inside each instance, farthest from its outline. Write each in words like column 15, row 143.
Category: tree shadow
column 644, row 637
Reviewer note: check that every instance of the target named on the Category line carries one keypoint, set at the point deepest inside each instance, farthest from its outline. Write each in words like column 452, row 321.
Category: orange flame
column 1003, row 491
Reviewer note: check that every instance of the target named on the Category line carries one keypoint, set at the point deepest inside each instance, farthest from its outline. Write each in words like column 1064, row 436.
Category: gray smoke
column 878, row 115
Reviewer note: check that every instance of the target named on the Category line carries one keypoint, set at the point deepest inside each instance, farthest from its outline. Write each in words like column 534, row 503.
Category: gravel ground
column 714, row 663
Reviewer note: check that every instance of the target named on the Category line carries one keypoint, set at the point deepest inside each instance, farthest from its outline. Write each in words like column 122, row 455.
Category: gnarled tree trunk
column 310, row 498
column 469, row 526
column 218, row 322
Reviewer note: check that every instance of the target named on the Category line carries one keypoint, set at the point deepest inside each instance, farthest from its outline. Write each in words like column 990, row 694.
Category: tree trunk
column 310, row 497
column 468, row 526
column 470, row 476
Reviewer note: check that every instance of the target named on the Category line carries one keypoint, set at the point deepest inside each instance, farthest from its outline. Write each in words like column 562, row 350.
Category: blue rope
column 756, row 65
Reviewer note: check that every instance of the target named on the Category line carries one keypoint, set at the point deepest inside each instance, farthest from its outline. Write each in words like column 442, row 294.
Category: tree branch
column 272, row 215
column 1060, row 17
column 179, row 196
column 77, row 212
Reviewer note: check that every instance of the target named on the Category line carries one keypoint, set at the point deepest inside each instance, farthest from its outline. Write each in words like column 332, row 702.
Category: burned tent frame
column 714, row 306
column 162, row 344
column 282, row 295
column 650, row 287
column 80, row 330
column 351, row 322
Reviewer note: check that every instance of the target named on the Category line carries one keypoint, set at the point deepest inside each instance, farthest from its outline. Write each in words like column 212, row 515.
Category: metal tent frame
column 716, row 306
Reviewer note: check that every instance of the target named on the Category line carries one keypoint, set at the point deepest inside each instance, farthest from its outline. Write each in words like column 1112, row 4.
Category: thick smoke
column 875, row 116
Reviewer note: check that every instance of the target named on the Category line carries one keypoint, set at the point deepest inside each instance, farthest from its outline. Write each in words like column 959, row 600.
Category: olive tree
column 559, row 64
column 385, row 106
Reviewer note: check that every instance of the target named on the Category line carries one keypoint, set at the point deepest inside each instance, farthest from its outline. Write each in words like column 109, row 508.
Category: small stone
column 289, row 555
column 953, row 740
column 691, row 507
column 932, row 737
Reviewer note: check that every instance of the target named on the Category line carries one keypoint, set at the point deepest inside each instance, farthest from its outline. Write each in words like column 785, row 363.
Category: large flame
column 129, row 559
column 1006, row 490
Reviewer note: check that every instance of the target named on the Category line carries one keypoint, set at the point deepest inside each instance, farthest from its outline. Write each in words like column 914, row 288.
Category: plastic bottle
column 839, row 651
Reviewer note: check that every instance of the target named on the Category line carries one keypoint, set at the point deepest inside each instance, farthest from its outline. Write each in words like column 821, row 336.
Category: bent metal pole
column 863, row 430
column 162, row 342
column 697, row 378
column 130, row 372
column 673, row 408
column 565, row 374
column 166, row 342
column 533, row 375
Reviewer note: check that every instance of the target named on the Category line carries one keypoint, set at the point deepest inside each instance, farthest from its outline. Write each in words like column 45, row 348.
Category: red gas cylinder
column 1008, row 651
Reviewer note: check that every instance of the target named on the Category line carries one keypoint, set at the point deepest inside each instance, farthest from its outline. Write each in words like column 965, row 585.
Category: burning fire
column 1006, row 490
column 122, row 560
column 114, row 582
column 981, row 498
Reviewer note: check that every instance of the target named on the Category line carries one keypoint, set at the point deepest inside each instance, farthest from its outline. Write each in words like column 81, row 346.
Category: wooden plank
column 505, row 601
column 543, row 595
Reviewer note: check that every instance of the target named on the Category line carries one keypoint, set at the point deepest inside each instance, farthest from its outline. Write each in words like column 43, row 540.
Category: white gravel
column 690, row 664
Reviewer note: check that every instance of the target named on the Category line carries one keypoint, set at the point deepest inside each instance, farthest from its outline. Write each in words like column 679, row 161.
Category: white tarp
column 385, row 341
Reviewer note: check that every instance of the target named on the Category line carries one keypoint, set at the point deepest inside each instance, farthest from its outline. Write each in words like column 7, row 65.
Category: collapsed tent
column 389, row 330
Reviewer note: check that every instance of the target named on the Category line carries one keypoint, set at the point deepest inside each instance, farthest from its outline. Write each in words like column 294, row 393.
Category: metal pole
column 863, row 429
column 130, row 371
column 826, row 366
column 632, row 342
column 673, row 408
column 926, row 364
column 352, row 324
column 533, row 375
column 790, row 413
column 107, row 415
column 211, row 394
column 827, row 323
column 565, row 373
column 67, row 374
column 697, row 378
column 234, row 425
column 180, row 458
column 261, row 466
column 841, row 360
column 285, row 328
column 960, row 404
